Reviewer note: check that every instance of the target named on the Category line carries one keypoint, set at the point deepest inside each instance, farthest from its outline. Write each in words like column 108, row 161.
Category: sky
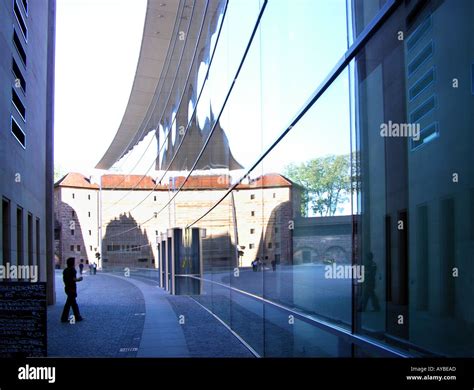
column 98, row 43
column 97, row 48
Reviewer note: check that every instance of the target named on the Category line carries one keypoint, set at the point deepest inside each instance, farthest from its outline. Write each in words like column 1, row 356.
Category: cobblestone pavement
column 114, row 315
column 114, row 312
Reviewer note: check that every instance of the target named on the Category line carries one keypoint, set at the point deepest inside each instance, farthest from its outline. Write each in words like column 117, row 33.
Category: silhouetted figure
column 274, row 265
column 69, row 279
column 368, row 289
column 81, row 266
column 95, row 268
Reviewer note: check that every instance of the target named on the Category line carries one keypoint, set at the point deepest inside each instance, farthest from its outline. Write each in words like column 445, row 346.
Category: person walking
column 368, row 292
column 70, row 288
column 81, row 266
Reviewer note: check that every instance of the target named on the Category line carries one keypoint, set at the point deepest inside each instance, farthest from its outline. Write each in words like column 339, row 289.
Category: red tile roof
column 267, row 181
column 129, row 182
column 139, row 182
column 76, row 180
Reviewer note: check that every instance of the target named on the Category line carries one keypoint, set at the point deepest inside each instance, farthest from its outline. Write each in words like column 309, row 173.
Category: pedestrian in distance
column 81, row 266
column 70, row 288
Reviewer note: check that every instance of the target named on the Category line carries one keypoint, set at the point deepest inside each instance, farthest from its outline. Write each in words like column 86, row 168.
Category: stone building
column 76, row 215
column 260, row 221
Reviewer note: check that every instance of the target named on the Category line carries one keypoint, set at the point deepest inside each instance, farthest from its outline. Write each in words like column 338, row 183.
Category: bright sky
column 98, row 44
column 97, row 48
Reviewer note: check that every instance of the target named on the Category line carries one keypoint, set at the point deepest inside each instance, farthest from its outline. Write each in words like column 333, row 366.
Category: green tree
column 57, row 173
column 326, row 182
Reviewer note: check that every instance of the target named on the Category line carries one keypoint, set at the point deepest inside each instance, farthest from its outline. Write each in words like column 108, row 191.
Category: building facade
column 82, row 207
column 367, row 106
column 27, row 34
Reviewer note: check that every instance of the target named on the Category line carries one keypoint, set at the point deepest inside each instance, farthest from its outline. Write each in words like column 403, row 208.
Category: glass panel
column 414, row 231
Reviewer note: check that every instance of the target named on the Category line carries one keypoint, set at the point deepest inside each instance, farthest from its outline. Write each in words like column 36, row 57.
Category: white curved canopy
column 158, row 29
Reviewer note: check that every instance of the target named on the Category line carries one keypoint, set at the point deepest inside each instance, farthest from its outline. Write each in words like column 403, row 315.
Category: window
column 18, row 75
column 274, row 195
column 89, row 214
column 90, row 232
column 424, row 82
column 72, row 232
column 426, row 135
column 420, row 59
column 270, row 245
column 38, row 247
column 277, row 259
column 72, row 248
column 6, row 237
column 251, row 246
column 73, row 196
column 20, row 107
column 418, row 33
column 30, row 239
column 20, row 20
column 78, row 248
column 154, row 198
column 252, row 196
column 422, row 110
column 89, row 197
column 90, row 247
column 25, row 6
column 276, row 230
column 19, row 235
column 277, row 245
column 252, row 231
column 18, row 132
column 19, row 47
column 252, row 213
column 142, row 260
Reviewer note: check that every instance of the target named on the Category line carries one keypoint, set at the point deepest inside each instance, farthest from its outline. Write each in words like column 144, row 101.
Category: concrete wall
column 25, row 171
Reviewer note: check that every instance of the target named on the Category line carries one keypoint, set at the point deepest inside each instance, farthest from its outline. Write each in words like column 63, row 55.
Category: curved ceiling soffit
column 158, row 33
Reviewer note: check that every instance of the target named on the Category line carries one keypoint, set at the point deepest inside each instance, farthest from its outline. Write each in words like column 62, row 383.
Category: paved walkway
column 127, row 317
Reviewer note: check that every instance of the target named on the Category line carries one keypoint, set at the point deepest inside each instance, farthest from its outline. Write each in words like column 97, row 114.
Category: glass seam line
column 189, row 122
column 211, row 132
column 168, row 61
column 167, row 101
column 235, row 334
column 357, row 46
column 324, row 325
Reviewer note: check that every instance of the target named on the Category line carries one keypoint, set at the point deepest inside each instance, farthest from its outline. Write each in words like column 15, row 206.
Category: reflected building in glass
column 314, row 166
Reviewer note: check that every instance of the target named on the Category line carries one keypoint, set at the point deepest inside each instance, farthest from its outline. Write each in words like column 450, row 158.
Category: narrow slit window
column 18, row 132
column 423, row 110
column 20, row 20
column 20, row 107
column 19, row 47
column 424, row 82
column 25, row 6
column 18, row 75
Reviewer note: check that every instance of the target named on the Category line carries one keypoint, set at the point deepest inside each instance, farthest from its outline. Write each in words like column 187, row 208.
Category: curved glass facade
column 329, row 143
